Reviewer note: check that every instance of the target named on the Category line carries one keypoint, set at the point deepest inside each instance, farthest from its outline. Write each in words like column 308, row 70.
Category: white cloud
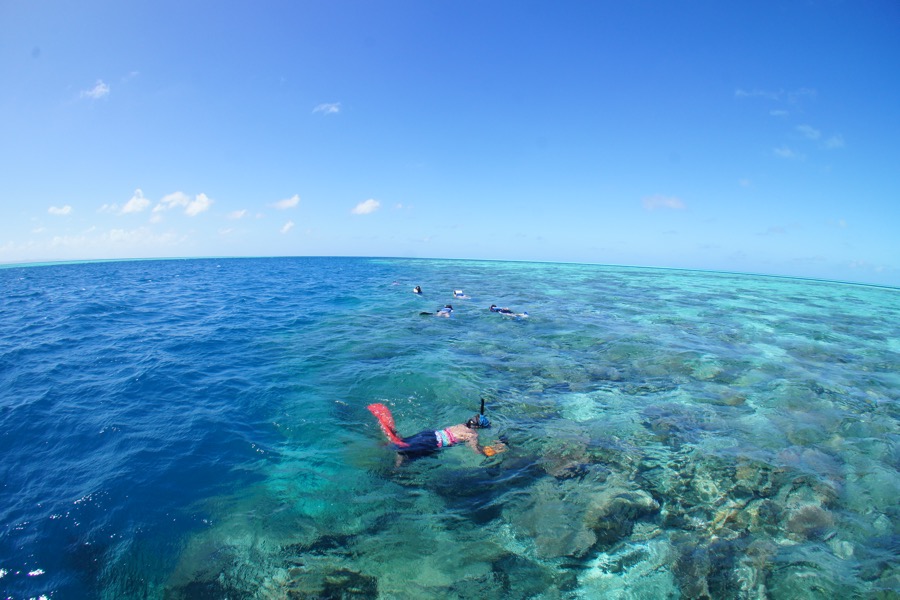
column 367, row 207
column 331, row 108
column 99, row 90
column 109, row 208
column 60, row 211
column 657, row 201
column 287, row 227
column 136, row 204
column 287, row 202
column 809, row 132
column 237, row 214
column 192, row 208
column 200, row 204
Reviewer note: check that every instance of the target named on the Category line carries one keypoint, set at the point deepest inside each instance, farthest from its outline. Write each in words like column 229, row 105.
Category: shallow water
column 197, row 429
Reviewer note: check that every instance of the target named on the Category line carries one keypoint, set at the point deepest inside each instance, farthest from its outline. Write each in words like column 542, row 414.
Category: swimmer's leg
column 386, row 421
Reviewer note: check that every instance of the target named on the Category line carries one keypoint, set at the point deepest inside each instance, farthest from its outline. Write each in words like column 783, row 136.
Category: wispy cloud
column 60, row 211
column 100, row 90
column 287, row 227
column 775, row 230
column 800, row 94
column 331, row 108
column 790, row 96
column 834, row 142
column 136, row 204
column 367, row 207
column 237, row 214
column 173, row 200
column 756, row 93
column 786, row 153
column 778, row 230
column 287, row 202
column 809, row 132
column 141, row 237
column 658, row 201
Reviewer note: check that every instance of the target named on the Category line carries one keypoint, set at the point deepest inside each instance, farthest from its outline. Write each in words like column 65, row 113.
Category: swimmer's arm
column 495, row 448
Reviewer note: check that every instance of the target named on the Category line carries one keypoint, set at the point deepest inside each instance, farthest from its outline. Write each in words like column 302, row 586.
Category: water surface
column 197, row 429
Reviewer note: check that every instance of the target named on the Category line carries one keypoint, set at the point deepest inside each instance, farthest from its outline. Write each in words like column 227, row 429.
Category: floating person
column 442, row 312
column 431, row 441
column 417, row 290
column 507, row 311
column 459, row 294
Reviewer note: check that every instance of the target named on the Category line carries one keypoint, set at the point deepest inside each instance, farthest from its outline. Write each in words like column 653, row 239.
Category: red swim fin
column 386, row 420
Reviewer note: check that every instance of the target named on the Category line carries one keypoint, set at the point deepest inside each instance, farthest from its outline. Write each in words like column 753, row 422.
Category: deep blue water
column 197, row 429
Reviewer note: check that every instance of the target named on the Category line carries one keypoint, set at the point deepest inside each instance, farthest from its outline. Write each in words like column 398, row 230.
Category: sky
column 750, row 136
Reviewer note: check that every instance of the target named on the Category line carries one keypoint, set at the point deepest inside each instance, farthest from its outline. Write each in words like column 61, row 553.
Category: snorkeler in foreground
column 430, row 441
column 507, row 311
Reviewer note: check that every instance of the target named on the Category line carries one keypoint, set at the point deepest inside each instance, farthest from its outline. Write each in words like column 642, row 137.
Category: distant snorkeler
column 430, row 441
column 459, row 294
column 442, row 312
column 417, row 290
column 507, row 311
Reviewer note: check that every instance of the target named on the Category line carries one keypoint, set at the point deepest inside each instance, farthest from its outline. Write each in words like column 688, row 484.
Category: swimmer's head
column 478, row 422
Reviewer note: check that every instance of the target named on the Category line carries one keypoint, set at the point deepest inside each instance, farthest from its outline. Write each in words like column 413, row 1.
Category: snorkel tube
column 479, row 421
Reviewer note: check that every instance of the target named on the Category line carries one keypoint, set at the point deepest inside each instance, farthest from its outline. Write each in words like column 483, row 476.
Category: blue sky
column 742, row 136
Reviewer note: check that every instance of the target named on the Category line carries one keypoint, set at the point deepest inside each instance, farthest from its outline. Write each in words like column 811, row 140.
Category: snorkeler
column 430, row 441
column 442, row 312
column 417, row 290
column 460, row 295
column 507, row 311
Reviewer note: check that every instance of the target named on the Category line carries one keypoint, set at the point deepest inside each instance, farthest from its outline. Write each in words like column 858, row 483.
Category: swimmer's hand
column 495, row 448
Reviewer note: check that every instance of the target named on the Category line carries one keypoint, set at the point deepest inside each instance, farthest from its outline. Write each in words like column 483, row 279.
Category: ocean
column 198, row 429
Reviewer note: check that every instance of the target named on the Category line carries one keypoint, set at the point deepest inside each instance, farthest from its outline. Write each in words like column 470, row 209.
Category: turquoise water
column 197, row 429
